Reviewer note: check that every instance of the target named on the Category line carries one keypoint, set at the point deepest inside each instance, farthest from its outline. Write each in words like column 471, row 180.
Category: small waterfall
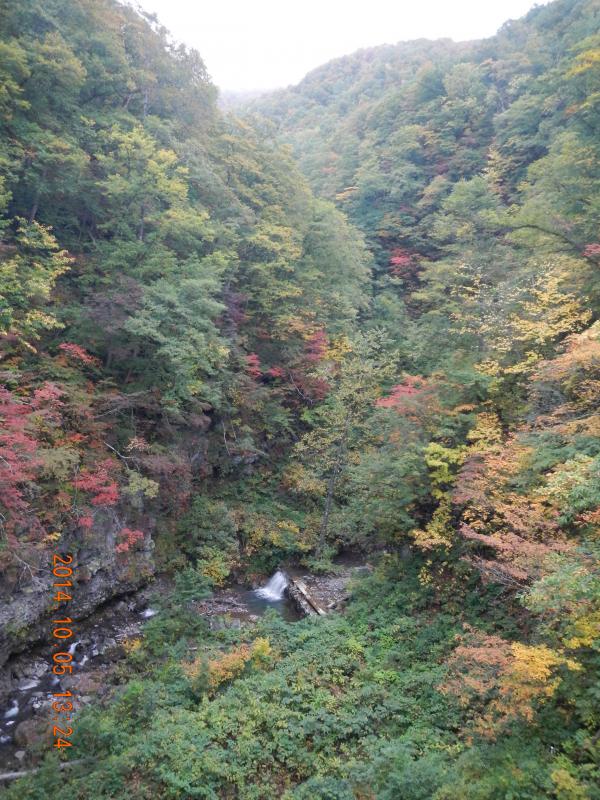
column 275, row 588
column 12, row 711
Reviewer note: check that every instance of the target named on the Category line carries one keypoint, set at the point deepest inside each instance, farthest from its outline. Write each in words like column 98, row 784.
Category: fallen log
column 14, row 776
column 298, row 592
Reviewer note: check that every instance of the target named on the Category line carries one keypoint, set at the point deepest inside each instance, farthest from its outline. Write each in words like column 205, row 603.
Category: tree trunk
column 331, row 484
column 142, row 220
column 34, row 208
column 326, row 512
column 36, row 199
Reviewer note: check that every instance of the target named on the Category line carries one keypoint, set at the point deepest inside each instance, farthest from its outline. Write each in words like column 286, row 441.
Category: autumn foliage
column 504, row 681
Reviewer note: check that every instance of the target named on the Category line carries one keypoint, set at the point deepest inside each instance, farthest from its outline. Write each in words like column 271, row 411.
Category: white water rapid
column 275, row 588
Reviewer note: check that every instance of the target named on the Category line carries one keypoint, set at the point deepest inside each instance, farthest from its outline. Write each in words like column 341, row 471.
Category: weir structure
column 281, row 584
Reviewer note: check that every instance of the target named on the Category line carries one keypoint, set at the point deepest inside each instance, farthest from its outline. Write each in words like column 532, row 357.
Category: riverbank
column 27, row 682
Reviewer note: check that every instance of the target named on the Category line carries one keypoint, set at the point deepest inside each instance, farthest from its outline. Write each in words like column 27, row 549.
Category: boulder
column 33, row 731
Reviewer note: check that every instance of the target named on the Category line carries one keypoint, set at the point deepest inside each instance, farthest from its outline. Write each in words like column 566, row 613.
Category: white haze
column 264, row 44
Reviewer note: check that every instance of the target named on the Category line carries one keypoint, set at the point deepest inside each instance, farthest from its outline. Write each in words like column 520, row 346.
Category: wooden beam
column 298, row 591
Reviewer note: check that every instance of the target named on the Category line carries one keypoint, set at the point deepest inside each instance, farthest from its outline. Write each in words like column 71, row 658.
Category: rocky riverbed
column 27, row 682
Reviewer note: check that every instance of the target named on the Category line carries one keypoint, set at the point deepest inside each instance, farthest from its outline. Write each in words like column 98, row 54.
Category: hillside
column 390, row 130
column 159, row 261
column 360, row 318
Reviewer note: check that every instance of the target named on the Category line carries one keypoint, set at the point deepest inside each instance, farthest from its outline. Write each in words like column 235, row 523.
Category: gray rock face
column 35, row 670
column 315, row 594
column 99, row 574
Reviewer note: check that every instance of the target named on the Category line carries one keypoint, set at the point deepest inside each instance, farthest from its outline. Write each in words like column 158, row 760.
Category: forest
column 360, row 315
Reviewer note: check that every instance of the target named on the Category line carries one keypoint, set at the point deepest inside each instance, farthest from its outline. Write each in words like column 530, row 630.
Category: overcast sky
column 264, row 44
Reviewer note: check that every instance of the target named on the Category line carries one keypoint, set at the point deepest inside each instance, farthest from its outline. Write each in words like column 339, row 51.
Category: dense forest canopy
column 362, row 313
column 166, row 270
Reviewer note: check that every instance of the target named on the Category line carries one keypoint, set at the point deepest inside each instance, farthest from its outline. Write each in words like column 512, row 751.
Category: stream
column 27, row 682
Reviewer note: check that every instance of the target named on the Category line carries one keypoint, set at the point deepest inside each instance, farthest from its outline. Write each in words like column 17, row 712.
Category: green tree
column 30, row 263
column 339, row 423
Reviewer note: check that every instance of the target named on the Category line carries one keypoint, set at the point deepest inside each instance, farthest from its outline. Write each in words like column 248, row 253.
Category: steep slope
column 159, row 261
